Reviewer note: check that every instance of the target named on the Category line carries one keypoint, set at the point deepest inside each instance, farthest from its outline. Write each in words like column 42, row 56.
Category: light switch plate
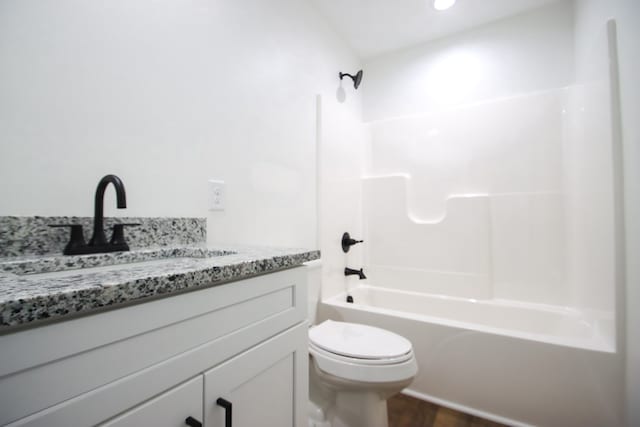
column 216, row 195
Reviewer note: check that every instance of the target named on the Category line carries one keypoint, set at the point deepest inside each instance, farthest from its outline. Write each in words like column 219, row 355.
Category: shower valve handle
column 347, row 242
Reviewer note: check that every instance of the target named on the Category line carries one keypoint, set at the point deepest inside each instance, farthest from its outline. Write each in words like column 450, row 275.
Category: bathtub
column 511, row 362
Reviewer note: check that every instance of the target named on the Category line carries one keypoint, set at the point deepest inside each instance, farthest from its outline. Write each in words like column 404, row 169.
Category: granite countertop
column 38, row 288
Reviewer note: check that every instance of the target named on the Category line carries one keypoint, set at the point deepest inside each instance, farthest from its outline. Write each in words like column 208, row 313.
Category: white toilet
column 353, row 369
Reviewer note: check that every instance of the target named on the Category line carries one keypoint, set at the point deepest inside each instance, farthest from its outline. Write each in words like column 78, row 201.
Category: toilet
column 353, row 368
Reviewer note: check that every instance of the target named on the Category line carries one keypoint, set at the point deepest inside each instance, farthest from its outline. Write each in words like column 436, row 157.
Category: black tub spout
column 350, row 271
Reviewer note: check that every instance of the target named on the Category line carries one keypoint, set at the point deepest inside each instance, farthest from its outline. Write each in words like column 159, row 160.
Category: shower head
column 356, row 79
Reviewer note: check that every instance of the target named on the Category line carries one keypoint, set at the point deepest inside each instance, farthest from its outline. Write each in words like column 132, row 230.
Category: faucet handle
column 76, row 240
column 347, row 242
column 117, row 238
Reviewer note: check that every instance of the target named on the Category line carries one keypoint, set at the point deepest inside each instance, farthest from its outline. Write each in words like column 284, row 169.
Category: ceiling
column 373, row 27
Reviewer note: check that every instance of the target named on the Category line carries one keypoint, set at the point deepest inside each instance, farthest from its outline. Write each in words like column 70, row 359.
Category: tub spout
column 350, row 271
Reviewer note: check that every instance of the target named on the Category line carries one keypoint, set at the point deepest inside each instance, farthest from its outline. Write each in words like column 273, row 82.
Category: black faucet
column 350, row 271
column 98, row 242
column 99, row 239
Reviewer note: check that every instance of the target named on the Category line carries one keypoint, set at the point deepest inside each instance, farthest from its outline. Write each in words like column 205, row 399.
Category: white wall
column 628, row 48
column 628, row 15
column 167, row 95
column 340, row 194
column 525, row 53
column 590, row 18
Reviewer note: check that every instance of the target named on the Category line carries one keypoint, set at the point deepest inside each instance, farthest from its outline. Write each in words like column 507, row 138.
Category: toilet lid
column 358, row 341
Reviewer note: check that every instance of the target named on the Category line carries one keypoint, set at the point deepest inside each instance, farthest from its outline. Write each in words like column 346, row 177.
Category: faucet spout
column 99, row 239
column 350, row 271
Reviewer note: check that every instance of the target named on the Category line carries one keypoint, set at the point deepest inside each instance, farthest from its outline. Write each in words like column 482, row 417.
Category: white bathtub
column 516, row 363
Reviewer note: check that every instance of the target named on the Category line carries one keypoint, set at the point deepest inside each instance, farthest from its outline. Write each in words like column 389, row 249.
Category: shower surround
column 489, row 202
column 506, row 199
column 490, row 244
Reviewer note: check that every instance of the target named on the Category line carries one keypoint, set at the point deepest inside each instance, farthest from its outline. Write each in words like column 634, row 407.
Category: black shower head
column 356, row 79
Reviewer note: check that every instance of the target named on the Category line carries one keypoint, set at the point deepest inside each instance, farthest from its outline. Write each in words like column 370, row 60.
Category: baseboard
column 466, row 409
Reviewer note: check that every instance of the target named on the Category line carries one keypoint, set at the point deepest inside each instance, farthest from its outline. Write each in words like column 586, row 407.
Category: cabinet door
column 265, row 386
column 170, row 409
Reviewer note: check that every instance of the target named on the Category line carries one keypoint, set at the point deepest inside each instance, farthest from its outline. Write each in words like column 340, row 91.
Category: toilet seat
column 358, row 341
column 358, row 361
column 361, row 353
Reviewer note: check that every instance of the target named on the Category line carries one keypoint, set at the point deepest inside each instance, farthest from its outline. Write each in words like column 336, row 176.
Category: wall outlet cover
column 216, row 195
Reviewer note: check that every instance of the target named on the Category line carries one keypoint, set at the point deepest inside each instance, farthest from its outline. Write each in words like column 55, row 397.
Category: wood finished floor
column 405, row 411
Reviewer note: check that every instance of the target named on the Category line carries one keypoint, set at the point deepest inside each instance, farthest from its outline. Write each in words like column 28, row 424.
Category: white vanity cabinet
column 259, row 385
column 157, row 363
column 170, row 409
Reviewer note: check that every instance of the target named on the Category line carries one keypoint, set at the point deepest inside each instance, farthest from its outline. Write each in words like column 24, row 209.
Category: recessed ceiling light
column 443, row 4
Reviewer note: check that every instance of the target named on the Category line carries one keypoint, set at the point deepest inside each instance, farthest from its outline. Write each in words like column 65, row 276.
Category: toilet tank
column 314, row 285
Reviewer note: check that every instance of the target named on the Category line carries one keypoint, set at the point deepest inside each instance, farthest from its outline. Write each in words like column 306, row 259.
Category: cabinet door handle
column 192, row 422
column 227, row 411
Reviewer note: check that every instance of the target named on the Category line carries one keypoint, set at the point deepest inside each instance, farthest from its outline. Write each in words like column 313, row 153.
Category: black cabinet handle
column 190, row 421
column 227, row 411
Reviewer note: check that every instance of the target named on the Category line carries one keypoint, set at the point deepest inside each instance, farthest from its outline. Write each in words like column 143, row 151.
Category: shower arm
column 347, row 75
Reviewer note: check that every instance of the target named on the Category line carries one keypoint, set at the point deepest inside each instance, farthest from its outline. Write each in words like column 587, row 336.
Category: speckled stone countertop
column 38, row 288
column 22, row 235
